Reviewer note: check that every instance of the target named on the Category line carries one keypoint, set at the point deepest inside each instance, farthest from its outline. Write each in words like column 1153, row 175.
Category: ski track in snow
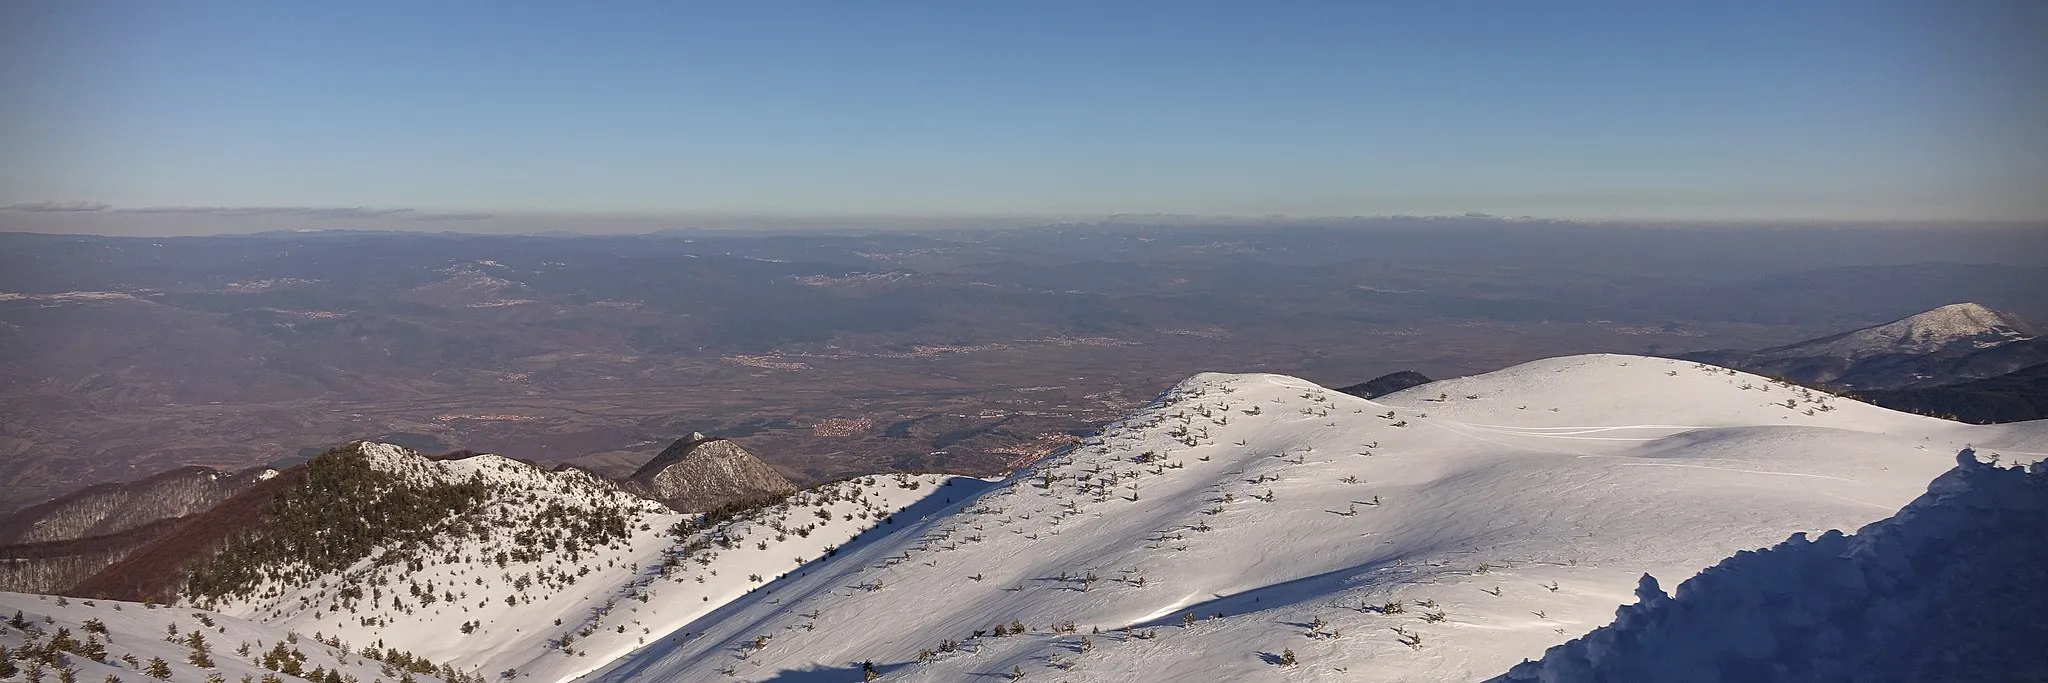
column 1731, row 469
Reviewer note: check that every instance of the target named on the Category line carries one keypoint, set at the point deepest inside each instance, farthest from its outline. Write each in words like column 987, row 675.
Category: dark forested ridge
column 2013, row 397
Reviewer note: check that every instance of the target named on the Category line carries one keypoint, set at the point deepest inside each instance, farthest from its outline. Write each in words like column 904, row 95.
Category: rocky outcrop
column 699, row 473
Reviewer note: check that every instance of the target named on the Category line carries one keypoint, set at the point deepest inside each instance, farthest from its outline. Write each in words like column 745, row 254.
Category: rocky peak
column 698, row 472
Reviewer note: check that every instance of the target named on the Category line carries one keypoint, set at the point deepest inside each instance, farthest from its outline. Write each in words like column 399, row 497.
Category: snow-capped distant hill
column 1948, row 344
column 497, row 567
column 1935, row 330
column 1259, row 527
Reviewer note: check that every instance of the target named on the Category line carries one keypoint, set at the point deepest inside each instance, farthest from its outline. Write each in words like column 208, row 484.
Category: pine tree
column 868, row 672
column 92, row 648
column 158, row 669
column 200, row 657
column 63, row 640
column 67, row 675
column 7, row 667
column 1287, row 657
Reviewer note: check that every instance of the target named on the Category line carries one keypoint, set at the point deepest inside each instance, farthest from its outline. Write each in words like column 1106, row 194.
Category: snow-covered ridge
column 572, row 485
column 1260, row 527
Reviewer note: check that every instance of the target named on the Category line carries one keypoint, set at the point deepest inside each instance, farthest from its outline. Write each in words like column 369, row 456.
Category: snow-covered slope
column 1947, row 590
column 1259, row 527
column 549, row 574
column 99, row 639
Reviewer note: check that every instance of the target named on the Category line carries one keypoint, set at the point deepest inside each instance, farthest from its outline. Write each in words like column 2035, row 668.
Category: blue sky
column 1611, row 110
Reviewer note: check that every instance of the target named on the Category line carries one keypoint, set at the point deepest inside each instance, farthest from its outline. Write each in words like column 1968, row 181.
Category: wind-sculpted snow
column 1949, row 589
column 1259, row 527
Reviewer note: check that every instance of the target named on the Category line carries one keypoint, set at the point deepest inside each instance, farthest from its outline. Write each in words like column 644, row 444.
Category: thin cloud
column 449, row 216
column 56, row 207
column 339, row 213
column 316, row 212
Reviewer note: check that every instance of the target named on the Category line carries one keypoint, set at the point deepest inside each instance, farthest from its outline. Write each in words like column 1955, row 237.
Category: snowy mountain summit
column 1965, row 324
column 1949, row 344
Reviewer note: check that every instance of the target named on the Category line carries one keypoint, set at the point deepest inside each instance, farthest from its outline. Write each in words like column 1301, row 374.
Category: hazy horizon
column 199, row 221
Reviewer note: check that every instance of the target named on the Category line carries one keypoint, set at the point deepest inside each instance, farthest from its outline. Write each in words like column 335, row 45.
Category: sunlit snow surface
column 1501, row 515
column 1504, row 513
